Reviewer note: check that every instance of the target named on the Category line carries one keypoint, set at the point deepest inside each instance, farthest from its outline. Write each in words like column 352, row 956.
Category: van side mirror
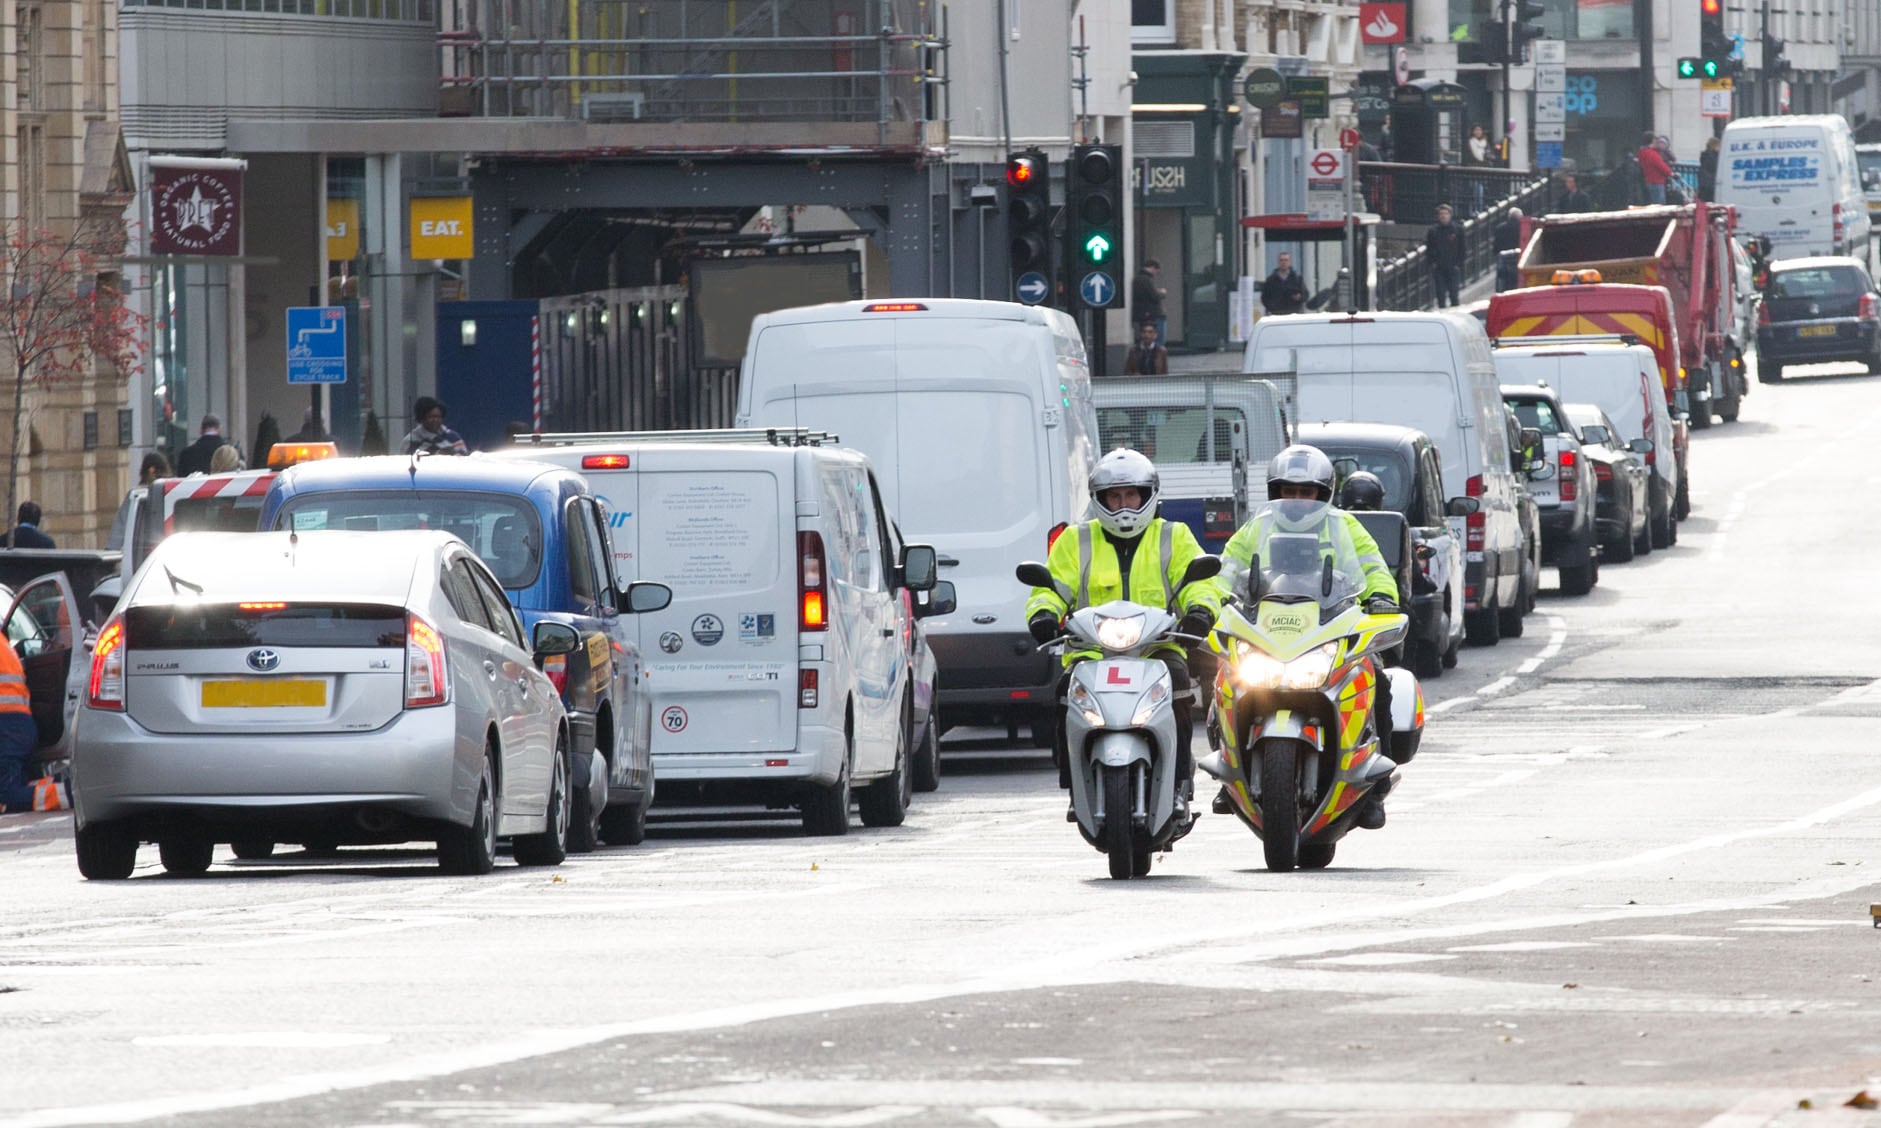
column 1640, row 446
column 1033, row 574
column 937, row 600
column 1463, row 506
column 1201, row 568
column 555, row 638
column 919, row 567
column 1531, row 438
column 642, row 596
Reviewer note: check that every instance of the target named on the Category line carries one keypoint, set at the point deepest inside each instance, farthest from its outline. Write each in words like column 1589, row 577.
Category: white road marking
column 1446, row 706
column 1524, row 946
column 1382, row 959
column 271, row 1039
column 1496, row 686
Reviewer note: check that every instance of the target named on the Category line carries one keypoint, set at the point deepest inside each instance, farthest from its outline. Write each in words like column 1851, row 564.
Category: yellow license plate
column 264, row 693
column 1816, row 331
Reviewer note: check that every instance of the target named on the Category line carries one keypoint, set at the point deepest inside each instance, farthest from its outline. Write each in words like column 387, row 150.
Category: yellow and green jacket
column 1088, row 571
column 1238, row 556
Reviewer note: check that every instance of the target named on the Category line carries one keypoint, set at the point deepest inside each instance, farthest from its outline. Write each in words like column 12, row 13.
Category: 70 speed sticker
column 673, row 719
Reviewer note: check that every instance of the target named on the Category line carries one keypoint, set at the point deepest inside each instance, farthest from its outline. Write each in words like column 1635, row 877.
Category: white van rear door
column 722, row 658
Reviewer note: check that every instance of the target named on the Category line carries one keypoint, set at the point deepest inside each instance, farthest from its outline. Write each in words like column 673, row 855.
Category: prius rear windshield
column 204, row 626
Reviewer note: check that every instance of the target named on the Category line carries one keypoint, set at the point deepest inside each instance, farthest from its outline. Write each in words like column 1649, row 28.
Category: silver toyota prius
column 320, row 688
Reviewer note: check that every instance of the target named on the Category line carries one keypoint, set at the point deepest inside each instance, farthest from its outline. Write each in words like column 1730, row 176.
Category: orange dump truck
column 1684, row 248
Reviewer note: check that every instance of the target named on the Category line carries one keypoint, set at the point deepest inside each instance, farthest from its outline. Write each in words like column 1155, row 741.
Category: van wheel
column 826, row 809
column 624, row 824
column 1511, row 624
column 1578, row 581
column 1728, row 408
column 1769, row 373
column 1682, row 501
column 1701, row 416
column 584, row 822
column 106, row 851
column 885, row 802
column 1426, row 660
column 1450, row 654
column 927, row 766
column 252, row 849
column 1044, row 729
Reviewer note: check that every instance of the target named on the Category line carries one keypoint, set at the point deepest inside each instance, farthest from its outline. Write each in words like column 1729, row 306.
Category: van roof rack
column 764, row 436
column 1546, row 339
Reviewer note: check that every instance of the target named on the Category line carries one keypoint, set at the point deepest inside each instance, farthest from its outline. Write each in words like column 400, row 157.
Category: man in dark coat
column 1573, row 197
column 1146, row 299
column 26, row 534
column 1284, row 291
column 195, row 457
column 1443, row 247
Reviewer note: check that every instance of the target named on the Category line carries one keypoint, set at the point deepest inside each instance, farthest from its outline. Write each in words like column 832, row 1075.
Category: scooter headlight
column 1084, row 702
column 1146, row 707
column 1119, row 634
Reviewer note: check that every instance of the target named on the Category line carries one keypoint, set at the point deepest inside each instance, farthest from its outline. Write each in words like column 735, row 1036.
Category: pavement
column 1624, row 883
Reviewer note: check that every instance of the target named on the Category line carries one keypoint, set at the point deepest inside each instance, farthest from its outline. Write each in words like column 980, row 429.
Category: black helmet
column 1362, row 490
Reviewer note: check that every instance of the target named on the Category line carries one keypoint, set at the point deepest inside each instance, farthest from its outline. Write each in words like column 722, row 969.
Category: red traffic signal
column 1021, row 171
column 1711, row 7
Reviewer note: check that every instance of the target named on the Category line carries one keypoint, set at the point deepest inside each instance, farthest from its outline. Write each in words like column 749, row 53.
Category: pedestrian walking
column 26, row 532
column 153, row 466
column 1654, row 169
column 1443, row 247
column 195, row 457
column 431, row 435
column 1284, row 291
column 1146, row 299
column 1508, row 244
column 312, row 430
column 1708, row 171
column 1146, row 357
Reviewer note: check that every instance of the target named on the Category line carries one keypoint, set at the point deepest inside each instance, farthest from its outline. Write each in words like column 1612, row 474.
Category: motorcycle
column 1299, row 750
column 1120, row 723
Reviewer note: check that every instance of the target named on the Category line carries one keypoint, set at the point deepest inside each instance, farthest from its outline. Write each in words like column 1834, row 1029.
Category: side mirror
column 1203, row 567
column 1640, row 446
column 642, row 596
column 1033, row 574
column 1531, row 438
column 937, row 600
column 1538, row 469
column 1463, row 507
column 556, row 638
column 919, row 567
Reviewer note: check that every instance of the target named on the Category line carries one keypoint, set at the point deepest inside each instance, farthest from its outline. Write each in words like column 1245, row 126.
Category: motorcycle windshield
column 1305, row 554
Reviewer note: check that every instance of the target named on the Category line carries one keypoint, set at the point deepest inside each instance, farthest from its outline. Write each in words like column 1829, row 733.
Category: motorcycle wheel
column 1280, row 805
column 1317, row 855
column 1117, row 822
column 1140, row 862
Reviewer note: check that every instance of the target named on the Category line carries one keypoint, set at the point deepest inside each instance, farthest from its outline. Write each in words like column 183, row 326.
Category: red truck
column 1685, row 248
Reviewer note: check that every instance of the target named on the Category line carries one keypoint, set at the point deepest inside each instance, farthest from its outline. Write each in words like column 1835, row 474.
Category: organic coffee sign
column 196, row 208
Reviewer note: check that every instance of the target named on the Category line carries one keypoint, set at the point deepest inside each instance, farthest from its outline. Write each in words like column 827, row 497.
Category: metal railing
column 1407, row 281
column 618, row 360
column 689, row 61
column 398, row 11
column 1409, row 193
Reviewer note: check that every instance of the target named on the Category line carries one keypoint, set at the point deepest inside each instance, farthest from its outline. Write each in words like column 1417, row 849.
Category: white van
column 977, row 418
column 1432, row 371
column 1623, row 380
column 1211, row 438
column 780, row 671
column 1796, row 180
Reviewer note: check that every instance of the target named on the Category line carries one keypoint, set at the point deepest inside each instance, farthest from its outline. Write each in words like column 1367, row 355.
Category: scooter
column 1292, row 717
column 1120, row 724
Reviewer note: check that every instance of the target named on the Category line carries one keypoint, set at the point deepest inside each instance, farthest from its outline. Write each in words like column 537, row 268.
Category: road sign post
column 316, row 345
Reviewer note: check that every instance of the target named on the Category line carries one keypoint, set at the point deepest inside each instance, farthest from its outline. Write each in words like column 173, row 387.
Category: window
column 503, row 531
column 1538, row 414
column 581, row 582
column 1153, row 21
column 89, row 428
column 594, row 527
column 503, row 618
column 30, row 55
column 868, row 571
column 461, row 591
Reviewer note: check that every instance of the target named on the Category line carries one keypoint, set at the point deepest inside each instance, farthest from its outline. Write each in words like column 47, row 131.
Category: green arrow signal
column 1096, row 247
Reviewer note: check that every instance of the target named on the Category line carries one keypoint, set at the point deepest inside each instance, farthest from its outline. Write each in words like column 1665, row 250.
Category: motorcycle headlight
column 1157, row 694
column 1310, row 670
column 1255, row 669
column 1081, row 699
column 1119, row 634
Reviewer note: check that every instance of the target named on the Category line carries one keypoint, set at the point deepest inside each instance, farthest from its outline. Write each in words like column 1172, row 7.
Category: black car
column 1815, row 311
column 1406, row 462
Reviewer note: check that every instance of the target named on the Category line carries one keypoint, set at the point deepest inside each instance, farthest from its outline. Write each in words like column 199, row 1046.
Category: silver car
column 324, row 688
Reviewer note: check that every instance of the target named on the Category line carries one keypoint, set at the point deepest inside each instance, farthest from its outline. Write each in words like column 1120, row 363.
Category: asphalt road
column 1624, row 883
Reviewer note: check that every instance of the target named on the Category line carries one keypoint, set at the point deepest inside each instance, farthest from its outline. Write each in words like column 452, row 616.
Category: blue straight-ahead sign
column 316, row 345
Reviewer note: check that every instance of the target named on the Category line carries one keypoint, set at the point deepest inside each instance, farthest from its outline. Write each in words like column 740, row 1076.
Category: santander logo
column 1382, row 22
column 1381, row 27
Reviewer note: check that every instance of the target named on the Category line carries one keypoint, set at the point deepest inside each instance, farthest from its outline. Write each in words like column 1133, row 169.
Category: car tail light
column 1051, row 538
column 1763, row 313
column 814, row 612
column 1870, row 307
column 1570, row 476
column 896, row 307
column 1475, row 525
column 106, row 690
column 806, row 689
column 605, row 462
column 556, row 667
column 1603, row 472
column 1835, row 220
column 425, row 681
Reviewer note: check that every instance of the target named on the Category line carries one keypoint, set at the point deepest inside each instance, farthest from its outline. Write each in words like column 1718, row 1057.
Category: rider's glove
column 1381, row 605
column 1196, row 621
column 1044, row 626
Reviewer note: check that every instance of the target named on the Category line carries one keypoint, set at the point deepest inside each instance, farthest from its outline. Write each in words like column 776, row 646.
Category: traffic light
column 1028, row 213
column 1773, row 60
column 1522, row 31
column 1691, row 66
column 1493, row 37
column 1094, row 199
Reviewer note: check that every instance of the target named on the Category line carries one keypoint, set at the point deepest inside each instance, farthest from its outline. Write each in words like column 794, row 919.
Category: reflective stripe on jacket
column 13, row 695
column 1085, row 566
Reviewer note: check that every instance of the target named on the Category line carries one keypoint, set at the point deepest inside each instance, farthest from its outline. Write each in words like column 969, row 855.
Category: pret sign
column 196, row 206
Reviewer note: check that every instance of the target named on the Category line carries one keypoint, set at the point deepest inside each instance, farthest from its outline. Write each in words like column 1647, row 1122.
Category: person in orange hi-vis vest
column 19, row 739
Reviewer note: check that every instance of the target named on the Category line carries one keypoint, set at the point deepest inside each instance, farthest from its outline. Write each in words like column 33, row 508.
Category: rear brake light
column 806, row 688
column 261, row 606
column 1570, row 484
column 1475, row 528
column 813, row 612
column 1870, row 307
column 894, row 307
column 604, row 462
column 1835, row 218
column 1051, row 538
column 556, row 667
column 106, row 690
column 425, row 682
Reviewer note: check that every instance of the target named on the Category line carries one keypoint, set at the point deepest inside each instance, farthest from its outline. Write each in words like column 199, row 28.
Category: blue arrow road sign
column 1097, row 289
column 1032, row 287
column 316, row 345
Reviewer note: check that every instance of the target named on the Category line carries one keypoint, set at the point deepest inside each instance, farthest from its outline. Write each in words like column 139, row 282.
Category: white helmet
column 1125, row 467
column 1300, row 465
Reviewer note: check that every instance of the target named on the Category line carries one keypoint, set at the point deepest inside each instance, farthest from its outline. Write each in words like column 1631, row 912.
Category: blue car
column 544, row 535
